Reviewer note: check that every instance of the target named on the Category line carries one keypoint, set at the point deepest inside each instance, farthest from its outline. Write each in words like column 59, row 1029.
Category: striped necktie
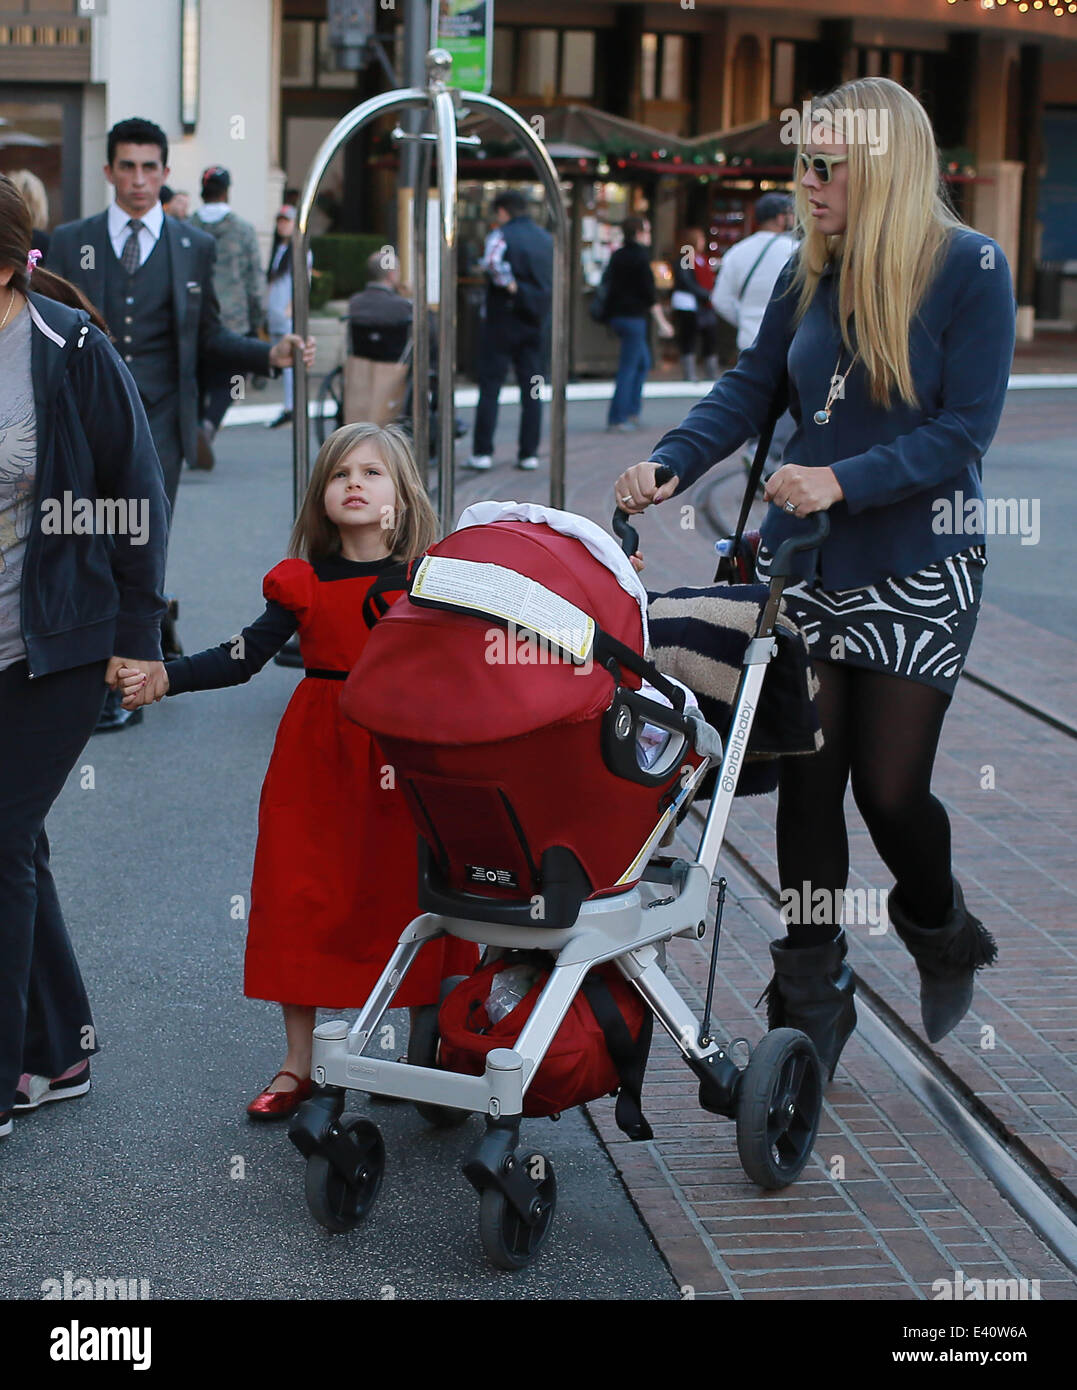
column 132, row 255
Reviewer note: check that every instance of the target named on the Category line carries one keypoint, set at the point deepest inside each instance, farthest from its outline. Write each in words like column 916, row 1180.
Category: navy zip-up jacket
column 893, row 465
column 94, row 595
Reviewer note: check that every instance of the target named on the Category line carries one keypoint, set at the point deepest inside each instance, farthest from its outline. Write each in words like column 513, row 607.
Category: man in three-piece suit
column 151, row 278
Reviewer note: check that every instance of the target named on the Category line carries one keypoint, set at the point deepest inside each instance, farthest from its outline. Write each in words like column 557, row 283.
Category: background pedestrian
column 631, row 301
column 279, row 298
column 694, row 319
column 518, row 265
column 240, row 289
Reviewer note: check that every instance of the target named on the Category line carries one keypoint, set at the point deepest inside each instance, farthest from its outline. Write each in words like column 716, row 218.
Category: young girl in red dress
column 335, row 866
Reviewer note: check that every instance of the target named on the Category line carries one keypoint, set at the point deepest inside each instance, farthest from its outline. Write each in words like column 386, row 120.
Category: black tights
column 881, row 730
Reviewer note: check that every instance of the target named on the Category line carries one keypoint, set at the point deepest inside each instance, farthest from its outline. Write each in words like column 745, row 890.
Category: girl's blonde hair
column 414, row 525
column 899, row 219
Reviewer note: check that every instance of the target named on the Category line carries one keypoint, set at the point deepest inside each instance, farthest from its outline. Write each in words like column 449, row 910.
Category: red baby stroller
column 544, row 759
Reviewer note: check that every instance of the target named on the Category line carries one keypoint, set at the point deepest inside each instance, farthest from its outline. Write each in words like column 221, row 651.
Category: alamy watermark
column 987, row 516
column 821, row 907
column 519, row 646
column 97, row 516
column 962, row 1289
column 848, row 125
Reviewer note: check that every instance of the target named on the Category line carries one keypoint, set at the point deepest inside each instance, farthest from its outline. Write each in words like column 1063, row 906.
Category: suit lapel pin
column 185, row 241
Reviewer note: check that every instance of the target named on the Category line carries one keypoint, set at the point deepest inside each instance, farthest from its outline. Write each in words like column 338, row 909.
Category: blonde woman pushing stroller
column 896, row 322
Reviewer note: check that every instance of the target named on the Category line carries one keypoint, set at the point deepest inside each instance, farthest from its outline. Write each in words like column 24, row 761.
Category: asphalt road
column 157, row 1174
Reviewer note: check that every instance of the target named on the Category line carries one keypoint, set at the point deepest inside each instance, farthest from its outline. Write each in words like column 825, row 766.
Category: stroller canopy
column 453, row 678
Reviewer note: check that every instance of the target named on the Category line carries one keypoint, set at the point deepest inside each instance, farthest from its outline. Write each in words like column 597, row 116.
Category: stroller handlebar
column 623, row 529
column 817, row 532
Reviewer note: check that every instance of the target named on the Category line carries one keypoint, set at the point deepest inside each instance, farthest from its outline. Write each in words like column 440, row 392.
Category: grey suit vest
column 139, row 312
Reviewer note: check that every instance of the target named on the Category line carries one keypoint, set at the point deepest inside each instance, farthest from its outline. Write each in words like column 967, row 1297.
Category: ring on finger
column 790, row 507
column 626, row 501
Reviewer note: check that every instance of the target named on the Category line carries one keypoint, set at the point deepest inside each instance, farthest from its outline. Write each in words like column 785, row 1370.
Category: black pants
column 45, row 1021
column 215, row 388
column 501, row 345
column 165, row 428
column 692, row 328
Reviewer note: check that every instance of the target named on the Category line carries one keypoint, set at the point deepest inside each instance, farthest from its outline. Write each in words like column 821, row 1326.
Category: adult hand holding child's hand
column 142, row 684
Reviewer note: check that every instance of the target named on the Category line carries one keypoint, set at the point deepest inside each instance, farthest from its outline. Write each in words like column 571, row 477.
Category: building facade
column 252, row 85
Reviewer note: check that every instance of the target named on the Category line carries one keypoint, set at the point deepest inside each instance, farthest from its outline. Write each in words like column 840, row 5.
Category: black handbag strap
column 778, row 407
column 629, row 1055
column 755, row 264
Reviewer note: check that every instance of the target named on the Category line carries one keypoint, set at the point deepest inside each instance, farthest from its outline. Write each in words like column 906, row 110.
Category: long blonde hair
column 415, row 526
column 33, row 195
column 899, row 219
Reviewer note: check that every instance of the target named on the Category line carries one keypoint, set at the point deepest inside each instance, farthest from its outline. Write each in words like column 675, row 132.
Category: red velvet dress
column 335, row 867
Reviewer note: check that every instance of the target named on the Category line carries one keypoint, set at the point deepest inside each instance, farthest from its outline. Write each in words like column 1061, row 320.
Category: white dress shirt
column 118, row 230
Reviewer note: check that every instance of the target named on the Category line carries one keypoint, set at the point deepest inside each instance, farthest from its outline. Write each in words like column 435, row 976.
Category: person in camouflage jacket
column 240, row 284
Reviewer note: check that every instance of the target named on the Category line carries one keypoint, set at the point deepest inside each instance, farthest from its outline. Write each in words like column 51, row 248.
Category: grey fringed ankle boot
column 947, row 958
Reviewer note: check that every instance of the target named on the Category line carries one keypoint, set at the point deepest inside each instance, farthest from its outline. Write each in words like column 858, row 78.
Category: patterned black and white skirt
column 919, row 627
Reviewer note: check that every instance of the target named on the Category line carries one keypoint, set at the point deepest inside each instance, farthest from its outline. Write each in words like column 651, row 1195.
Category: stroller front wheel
column 778, row 1106
column 338, row 1200
column 509, row 1241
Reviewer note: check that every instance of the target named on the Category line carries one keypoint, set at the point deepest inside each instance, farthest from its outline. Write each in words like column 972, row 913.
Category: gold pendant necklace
column 837, row 385
column 10, row 306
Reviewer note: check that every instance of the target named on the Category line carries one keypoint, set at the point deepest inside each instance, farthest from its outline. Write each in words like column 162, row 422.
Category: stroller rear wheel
column 508, row 1240
column 778, row 1105
column 340, row 1202
column 423, row 1052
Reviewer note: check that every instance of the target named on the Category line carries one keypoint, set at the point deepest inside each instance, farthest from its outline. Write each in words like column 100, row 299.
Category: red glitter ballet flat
column 278, row 1105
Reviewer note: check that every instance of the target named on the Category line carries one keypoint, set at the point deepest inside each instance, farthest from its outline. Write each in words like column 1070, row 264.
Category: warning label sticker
column 497, row 592
column 500, row 878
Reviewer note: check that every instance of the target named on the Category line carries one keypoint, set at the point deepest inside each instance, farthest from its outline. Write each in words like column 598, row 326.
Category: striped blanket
column 699, row 636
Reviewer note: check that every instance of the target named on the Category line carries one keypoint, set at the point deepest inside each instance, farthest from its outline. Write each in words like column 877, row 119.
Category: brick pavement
column 910, row 1207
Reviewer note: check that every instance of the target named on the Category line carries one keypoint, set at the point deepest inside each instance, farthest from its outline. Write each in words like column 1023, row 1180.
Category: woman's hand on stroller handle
column 802, row 491
column 642, row 484
column 635, row 489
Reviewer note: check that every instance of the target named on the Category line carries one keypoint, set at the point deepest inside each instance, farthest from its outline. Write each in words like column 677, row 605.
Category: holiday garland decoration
column 682, row 156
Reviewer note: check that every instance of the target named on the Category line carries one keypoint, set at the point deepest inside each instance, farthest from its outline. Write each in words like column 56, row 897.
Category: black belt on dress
column 326, row 675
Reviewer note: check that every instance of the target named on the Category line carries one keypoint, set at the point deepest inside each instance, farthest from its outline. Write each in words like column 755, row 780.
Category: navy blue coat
column 893, row 465
column 94, row 595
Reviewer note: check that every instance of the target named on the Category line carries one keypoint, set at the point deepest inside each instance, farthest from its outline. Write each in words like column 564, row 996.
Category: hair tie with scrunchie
column 32, row 260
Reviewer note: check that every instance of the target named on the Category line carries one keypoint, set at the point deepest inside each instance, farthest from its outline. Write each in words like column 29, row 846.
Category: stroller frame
column 775, row 1100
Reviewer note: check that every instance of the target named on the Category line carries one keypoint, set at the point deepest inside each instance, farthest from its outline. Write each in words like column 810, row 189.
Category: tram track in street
column 1018, row 1173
